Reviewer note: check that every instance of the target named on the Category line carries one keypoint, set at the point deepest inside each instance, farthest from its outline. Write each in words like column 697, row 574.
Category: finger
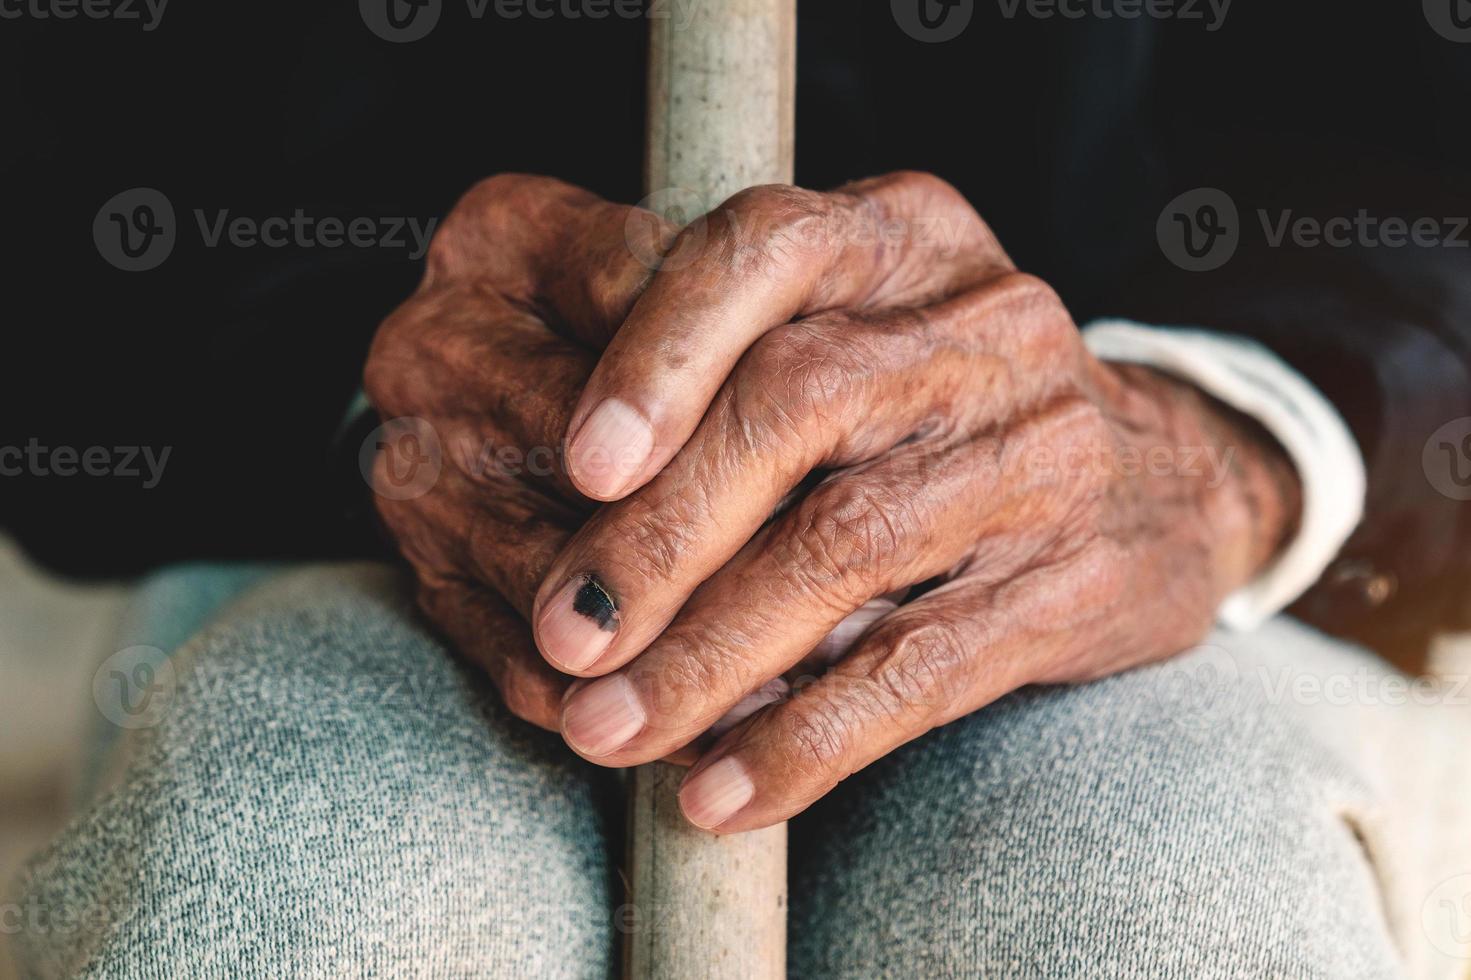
column 479, row 551
column 827, row 392
column 490, row 635
column 927, row 509
column 832, row 647
column 493, row 381
column 766, row 256
column 516, row 535
column 552, row 246
column 772, row 425
column 847, row 633
column 771, row 692
column 851, row 540
column 523, row 269
column 497, row 533
column 938, row 658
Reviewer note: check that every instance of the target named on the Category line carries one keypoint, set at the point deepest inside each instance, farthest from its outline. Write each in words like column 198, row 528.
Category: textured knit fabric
column 167, row 608
column 329, row 794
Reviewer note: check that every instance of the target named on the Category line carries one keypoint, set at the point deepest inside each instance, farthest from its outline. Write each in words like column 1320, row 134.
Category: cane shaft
column 721, row 97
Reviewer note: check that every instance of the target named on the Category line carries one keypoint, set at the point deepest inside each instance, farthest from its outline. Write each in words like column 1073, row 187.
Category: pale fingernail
column 603, row 716
column 714, row 795
column 578, row 624
column 611, row 448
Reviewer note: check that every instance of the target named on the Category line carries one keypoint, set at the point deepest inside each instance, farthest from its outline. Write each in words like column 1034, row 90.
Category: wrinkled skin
column 861, row 478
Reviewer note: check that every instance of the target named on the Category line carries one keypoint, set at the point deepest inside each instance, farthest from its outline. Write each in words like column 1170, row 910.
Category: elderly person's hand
column 869, row 366
column 1052, row 514
column 476, row 376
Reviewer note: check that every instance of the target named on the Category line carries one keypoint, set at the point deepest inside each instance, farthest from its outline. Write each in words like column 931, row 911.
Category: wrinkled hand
column 1055, row 518
column 477, row 375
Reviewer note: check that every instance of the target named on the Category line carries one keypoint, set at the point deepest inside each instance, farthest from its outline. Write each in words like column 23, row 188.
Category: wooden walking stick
column 722, row 78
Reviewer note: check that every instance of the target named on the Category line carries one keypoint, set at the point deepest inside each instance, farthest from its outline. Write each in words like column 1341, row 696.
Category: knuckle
column 1034, row 306
column 771, row 227
column 695, row 672
column 498, row 194
column 492, row 205
column 926, row 666
column 655, row 542
column 612, row 283
column 929, row 192
column 800, row 372
column 819, row 743
column 933, row 213
column 1028, row 292
column 388, row 369
column 525, row 697
column 381, row 382
column 851, row 538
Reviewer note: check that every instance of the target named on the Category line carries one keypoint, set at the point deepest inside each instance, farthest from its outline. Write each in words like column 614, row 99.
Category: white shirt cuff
column 1254, row 381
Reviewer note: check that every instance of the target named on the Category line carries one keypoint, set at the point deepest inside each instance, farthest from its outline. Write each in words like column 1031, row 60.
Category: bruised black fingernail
column 578, row 624
column 594, row 602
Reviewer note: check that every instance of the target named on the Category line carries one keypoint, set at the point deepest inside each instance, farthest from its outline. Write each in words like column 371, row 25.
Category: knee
column 328, row 790
column 1160, row 822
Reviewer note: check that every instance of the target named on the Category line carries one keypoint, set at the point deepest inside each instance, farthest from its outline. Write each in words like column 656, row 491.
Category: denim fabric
column 329, row 794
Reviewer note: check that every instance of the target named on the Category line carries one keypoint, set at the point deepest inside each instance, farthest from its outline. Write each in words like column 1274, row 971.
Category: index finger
column 766, row 256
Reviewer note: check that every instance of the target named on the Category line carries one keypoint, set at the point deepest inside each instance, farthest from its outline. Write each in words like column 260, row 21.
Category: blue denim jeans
column 327, row 792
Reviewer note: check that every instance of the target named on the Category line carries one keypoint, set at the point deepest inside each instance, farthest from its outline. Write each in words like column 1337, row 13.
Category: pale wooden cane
column 721, row 112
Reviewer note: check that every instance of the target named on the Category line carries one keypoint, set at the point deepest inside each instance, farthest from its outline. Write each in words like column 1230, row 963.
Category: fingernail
column 611, row 448
column 714, row 795
column 578, row 624
column 603, row 716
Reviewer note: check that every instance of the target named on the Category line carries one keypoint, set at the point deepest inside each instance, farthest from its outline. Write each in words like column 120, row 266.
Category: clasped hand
column 820, row 472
